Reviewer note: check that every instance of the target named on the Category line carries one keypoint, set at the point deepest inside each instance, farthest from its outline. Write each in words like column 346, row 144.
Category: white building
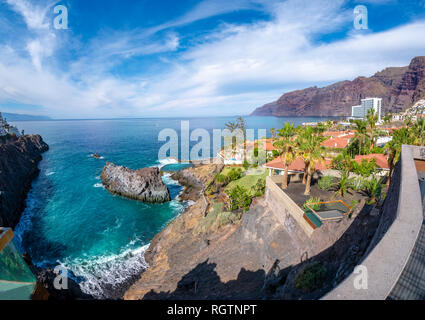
column 360, row 112
column 6, row 128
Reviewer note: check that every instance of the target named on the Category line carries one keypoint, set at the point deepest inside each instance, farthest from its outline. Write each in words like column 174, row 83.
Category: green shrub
column 234, row 174
column 246, row 165
column 216, row 219
column 357, row 184
column 325, row 182
column 211, row 190
column 225, row 218
column 221, row 178
column 309, row 202
column 365, row 168
column 373, row 187
column 311, row 277
column 259, row 188
column 376, row 150
column 240, row 198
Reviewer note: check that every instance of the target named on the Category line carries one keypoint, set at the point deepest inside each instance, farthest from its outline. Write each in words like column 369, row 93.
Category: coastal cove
column 72, row 220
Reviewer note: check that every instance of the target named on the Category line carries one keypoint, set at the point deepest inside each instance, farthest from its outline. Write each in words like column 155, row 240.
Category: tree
column 309, row 147
column 315, row 155
column 344, row 183
column 241, row 124
column 240, row 198
column 273, row 132
column 388, row 117
column 343, row 163
column 361, row 137
column 374, row 188
column 307, row 141
column 286, row 147
column 393, row 148
column 419, row 132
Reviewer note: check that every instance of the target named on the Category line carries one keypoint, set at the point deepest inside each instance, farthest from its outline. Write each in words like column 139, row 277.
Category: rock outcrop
column 142, row 184
column 18, row 167
column 399, row 88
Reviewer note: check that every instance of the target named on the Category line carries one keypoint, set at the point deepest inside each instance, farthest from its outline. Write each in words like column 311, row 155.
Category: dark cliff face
column 18, row 167
column 398, row 87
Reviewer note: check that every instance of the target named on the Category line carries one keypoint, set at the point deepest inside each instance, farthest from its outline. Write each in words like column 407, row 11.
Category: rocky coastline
column 256, row 258
column 19, row 158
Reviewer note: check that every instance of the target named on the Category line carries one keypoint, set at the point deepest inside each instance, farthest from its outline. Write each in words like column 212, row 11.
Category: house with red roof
column 381, row 160
column 336, row 143
column 297, row 166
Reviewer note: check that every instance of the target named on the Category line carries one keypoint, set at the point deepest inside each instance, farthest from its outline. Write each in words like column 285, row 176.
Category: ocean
column 71, row 220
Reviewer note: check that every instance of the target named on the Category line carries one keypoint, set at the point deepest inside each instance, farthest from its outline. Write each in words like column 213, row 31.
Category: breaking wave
column 108, row 276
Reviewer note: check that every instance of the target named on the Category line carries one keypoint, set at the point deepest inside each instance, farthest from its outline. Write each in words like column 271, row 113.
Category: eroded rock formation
column 142, row 184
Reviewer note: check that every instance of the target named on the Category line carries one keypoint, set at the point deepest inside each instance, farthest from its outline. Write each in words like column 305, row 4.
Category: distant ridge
column 399, row 88
column 23, row 117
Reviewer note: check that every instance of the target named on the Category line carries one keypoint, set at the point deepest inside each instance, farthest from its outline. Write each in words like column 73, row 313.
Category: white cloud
column 231, row 71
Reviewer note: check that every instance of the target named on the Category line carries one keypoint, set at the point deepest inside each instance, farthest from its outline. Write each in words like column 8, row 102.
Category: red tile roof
column 381, row 160
column 270, row 146
column 339, row 143
column 296, row 165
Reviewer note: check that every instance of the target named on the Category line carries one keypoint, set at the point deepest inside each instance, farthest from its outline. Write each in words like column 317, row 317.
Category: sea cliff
column 19, row 158
column 399, row 88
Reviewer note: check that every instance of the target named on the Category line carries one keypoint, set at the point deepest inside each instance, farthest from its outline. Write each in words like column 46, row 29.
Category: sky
column 168, row 58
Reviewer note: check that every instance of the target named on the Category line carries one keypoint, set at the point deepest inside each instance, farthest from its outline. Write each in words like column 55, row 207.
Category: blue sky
column 132, row 58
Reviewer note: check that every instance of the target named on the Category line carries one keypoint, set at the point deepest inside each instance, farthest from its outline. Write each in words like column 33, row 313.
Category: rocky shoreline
column 19, row 158
column 256, row 258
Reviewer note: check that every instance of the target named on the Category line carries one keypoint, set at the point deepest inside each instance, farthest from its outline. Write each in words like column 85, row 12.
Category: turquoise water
column 72, row 220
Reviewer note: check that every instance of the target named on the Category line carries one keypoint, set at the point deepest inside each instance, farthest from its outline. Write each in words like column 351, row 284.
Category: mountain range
column 399, row 88
column 23, row 117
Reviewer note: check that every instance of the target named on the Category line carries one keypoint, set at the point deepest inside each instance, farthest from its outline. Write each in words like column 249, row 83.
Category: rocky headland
column 142, row 184
column 399, row 87
column 19, row 158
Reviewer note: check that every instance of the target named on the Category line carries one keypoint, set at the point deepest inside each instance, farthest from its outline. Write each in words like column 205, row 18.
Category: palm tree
column 241, row 124
column 286, row 147
column 315, row 155
column 309, row 147
column 419, row 131
column 393, row 148
column 232, row 126
column 344, row 183
column 372, row 132
column 373, row 188
column 361, row 136
column 273, row 132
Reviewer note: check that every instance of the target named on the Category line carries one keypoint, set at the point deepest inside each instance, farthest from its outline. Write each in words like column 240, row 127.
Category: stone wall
column 282, row 205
